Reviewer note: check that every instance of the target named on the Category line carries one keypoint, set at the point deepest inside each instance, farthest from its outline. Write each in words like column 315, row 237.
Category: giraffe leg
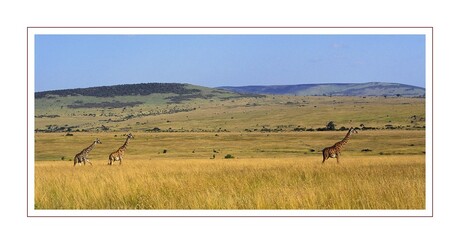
column 325, row 156
column 90, row 162
column 120, row 160
column 338, row 158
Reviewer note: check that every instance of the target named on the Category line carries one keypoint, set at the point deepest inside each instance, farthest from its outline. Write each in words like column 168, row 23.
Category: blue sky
column 77, row 61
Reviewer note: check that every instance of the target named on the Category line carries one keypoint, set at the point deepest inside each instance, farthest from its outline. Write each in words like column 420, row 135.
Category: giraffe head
column 353, row 130
column 130, row 136
column 97, row 141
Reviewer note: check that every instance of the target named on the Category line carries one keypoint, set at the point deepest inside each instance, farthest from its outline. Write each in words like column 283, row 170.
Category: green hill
column 141, row 89
column 128, row 95
column 189, row 108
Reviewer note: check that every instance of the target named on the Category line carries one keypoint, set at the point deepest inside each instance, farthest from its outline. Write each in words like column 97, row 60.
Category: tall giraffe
column 118, row 154
column 83, row 155
column 334, row 151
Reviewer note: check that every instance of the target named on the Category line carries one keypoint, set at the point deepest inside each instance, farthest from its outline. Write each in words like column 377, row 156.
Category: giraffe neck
column 347, row 137
column 88, row 149
column 344, row 141
column 125, row 145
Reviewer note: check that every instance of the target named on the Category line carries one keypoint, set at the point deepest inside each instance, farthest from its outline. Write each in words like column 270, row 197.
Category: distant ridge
column 333, row 89
column 142, row 89
column 330, row 89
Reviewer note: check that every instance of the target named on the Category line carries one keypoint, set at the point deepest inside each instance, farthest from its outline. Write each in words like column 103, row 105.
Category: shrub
column 229, row 156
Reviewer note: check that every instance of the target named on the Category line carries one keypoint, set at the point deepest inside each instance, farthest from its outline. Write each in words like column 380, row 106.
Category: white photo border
column 427, row 31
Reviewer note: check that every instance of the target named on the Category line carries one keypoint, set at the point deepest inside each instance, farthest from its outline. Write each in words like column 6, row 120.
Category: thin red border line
column 27, row 121
column 432, row 121
column 245, row 27
column 223, row 216
column 230, row 27
column 432, row 68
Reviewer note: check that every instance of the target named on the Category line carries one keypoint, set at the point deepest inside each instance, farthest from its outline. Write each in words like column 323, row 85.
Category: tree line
column 142, row 89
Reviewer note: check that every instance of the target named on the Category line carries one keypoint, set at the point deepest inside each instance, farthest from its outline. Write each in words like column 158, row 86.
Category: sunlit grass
column 368, row 182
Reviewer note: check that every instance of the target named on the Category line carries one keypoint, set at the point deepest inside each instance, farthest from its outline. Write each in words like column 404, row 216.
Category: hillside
column 201, row 109
column 333, row 89
column 142, row 89
column 129, row 95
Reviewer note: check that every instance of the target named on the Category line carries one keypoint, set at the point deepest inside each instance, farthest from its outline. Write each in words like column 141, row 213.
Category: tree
column 330, row 125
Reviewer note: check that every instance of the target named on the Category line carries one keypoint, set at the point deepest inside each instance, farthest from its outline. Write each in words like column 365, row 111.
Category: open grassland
column 153, row 146
column 366, row 182
column 268, row 171
column 272, row 143
column 238, row 114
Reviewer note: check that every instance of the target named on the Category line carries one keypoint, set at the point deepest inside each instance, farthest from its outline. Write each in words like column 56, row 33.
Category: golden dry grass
column 359, row 182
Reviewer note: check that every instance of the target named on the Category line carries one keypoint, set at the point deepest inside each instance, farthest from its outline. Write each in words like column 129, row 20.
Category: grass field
column 271, row 164
column 268, row 171
column 235, row 115
column 367, row 182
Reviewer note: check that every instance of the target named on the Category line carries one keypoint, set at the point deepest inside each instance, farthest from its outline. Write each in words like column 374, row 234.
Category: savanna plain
column 233, row 153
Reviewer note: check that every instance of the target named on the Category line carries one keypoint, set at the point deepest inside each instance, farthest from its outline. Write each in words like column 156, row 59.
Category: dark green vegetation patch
column 142, row 89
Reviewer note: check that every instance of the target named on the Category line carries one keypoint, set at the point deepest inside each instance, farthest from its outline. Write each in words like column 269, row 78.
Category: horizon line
column 272, row 85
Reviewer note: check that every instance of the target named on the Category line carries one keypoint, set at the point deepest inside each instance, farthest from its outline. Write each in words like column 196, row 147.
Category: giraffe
column 83, row 155
column 334, row 151
column 118, row 154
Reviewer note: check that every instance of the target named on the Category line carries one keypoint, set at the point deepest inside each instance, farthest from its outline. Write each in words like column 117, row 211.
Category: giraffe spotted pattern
column 334, row 151
column 83, row 155
column 118, row 154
